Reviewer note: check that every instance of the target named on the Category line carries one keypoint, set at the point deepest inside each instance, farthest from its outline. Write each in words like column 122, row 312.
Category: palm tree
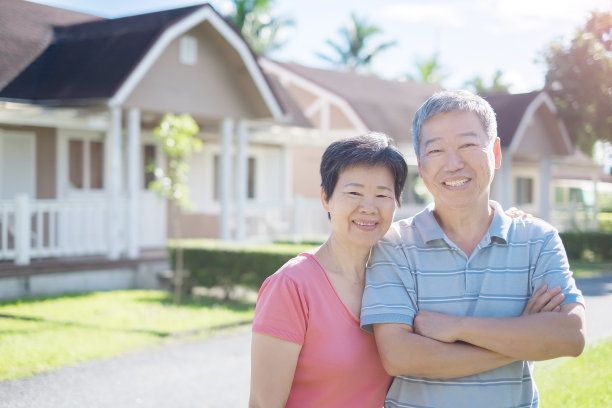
column 255, row 22
column 352, row 53
column 497, row 85
column 429, row 71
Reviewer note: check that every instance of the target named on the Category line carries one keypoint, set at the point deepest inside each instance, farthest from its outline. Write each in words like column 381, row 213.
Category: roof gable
column 90, row 60
column 378, row 104
column 105, row 60
column 518, row 115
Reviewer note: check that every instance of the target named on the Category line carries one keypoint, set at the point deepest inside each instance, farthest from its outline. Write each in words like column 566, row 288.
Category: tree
column 497, row 85
column 353, row 52
column 177, row 135
column 261, row 30
column 429, row 71
column 579, row 78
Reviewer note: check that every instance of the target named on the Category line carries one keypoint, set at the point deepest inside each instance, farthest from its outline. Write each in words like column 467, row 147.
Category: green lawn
column 40, row 334
column 584, row 382
column 584, row 269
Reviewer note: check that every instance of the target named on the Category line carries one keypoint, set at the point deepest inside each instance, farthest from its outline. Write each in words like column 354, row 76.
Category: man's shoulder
column 522, row 228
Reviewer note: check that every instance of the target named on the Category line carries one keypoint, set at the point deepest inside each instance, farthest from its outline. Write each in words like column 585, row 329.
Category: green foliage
column 579, row 78
column 429, row 71
column 584, row 382
column 258, row 26
column 215, row 263
column 597, row 244
column 497, row 84
column 354, row 52
column 177, row 134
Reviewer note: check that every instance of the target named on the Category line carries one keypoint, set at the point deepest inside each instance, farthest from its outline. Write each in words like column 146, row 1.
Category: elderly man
column 447, row 290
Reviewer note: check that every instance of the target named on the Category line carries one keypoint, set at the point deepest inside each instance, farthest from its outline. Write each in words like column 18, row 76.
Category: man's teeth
column 456, row 183
column 365, row 224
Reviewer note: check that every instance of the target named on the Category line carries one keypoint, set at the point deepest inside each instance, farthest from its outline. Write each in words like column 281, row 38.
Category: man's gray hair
column 451, row 101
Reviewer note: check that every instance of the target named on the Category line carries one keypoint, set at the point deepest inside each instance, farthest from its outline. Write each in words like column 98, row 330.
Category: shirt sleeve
column 552, row 268
column 281, row 310
column 390, row 291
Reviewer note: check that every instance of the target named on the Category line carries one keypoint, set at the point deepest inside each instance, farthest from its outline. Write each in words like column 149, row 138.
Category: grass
column 584, row 269
column 584, row 382
column 40, row 334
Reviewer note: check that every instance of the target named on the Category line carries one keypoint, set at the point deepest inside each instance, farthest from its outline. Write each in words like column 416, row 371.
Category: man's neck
column 465, row 227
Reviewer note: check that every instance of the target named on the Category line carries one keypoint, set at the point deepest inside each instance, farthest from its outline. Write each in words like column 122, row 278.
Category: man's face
column 456, row 160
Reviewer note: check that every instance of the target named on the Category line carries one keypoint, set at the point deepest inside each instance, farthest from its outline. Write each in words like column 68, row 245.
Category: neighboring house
column 80, row 96
column 540, row 165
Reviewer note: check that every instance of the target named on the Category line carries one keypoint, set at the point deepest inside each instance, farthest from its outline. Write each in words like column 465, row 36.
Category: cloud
column 447, row 14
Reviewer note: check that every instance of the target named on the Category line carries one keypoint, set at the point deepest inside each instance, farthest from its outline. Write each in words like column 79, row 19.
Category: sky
column 471, row 37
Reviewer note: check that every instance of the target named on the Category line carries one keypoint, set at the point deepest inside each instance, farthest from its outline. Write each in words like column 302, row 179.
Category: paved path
column 207, row 374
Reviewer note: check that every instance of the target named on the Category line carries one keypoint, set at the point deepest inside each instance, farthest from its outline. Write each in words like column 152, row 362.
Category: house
column 80, row 96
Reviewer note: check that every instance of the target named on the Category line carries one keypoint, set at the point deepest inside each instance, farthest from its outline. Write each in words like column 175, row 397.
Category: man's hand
column 437, row 326
column 445, row 328
column 544, row 300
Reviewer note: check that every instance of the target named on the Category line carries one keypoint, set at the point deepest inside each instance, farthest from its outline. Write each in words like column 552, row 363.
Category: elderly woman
column 308, row 349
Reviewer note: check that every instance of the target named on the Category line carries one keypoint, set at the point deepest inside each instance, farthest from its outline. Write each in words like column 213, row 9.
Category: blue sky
column 471, row 37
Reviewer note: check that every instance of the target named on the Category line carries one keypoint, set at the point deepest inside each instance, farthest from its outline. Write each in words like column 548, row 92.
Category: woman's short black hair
column 371, row 149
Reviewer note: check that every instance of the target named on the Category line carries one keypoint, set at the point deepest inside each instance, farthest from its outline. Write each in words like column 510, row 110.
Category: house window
column 524, row 190
column 75, row 163
column 96, row 165
column 149, row 165
column 251, row 177
column 188, row 50
column 86, row 164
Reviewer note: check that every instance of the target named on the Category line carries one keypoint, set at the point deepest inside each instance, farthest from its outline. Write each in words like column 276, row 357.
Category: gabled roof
column 383, row 105
column 509, row 110
column 515, row 112
column 26, row 29
column 104, row 60
column 91, row 60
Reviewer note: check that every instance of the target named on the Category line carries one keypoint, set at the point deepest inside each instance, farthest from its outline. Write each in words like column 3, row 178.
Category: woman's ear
column 324, row 200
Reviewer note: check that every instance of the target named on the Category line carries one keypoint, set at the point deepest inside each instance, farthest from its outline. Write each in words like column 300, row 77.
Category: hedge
column 578, row 244
column 215, row 263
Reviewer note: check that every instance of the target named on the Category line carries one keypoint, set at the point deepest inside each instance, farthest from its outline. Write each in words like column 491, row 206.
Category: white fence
column 52, row 228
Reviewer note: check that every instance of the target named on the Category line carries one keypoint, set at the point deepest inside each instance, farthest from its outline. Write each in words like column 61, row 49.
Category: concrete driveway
column 207, row 374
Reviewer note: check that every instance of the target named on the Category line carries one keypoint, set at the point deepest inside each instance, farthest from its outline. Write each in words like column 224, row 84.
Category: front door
column 17, row 164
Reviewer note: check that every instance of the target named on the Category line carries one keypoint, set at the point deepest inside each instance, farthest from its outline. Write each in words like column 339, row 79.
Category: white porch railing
column 53, row 228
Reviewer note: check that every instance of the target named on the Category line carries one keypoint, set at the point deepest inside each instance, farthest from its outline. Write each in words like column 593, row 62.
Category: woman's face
column 362, row 205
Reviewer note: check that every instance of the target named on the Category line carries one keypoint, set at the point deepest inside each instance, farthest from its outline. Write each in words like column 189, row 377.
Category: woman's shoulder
column 297, row 269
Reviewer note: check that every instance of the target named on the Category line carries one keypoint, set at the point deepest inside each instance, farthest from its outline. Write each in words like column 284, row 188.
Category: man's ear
column 497, row 153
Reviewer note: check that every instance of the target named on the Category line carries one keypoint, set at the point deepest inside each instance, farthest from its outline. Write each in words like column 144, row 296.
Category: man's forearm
column 406, row 353
column 540, row 336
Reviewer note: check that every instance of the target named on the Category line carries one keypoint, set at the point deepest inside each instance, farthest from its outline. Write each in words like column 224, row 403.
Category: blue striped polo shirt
column 416, row 266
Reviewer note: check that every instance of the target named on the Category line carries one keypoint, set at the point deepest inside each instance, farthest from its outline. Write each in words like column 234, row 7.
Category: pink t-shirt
column 338, row 365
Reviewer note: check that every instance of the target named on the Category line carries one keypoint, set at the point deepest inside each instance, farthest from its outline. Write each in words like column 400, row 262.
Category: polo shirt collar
column 430, row 230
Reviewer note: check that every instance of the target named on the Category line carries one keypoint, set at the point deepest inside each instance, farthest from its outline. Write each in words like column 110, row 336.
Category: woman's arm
column 273, row 363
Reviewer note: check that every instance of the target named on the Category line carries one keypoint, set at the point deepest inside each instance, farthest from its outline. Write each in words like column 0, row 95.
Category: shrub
column 214, row 263
column 577, row 244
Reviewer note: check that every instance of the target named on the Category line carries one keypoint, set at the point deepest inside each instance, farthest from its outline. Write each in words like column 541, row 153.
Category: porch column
column 595, row 201
column 225, row 179
column 287, row 174
column 113, row 174
column 133, row 173
column 242, row 177
column 503, row 182
column 545, row 178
